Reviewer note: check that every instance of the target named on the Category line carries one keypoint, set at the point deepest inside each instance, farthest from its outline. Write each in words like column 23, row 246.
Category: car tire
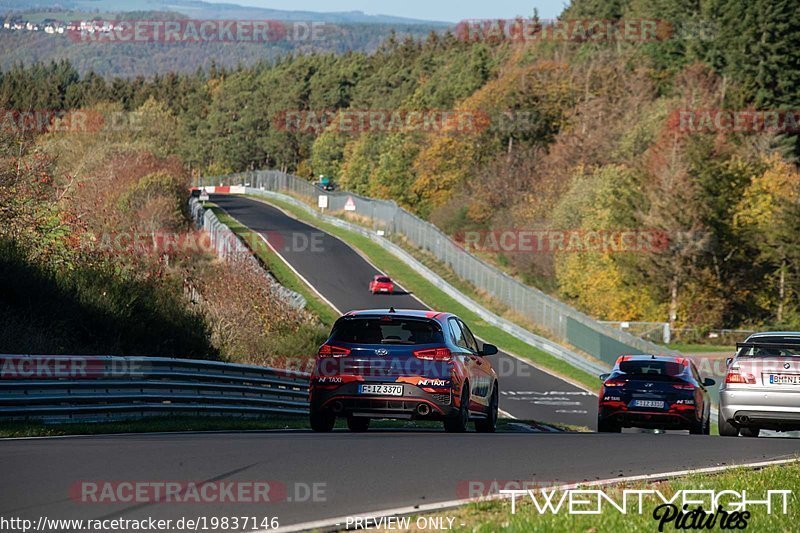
column 357, row 424
column 698, row 428
column 750, row 432
column 726, row 429
column 459, row 422
column 322, row 421
column 707, row 429
column 489, row 424
column 604, row 426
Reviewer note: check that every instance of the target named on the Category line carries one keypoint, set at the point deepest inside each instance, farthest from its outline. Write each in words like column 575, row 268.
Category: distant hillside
column 209, row 10
column 340, row 33
column 131, row 60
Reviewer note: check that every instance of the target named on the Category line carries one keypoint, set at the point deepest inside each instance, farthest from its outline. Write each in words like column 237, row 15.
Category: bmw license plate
column 649, row 404
column 381, row 390
column 784, row 379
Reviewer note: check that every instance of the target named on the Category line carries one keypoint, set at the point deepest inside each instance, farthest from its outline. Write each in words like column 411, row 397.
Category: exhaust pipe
column 743, row 419
column 338, row 406
column 423, row 409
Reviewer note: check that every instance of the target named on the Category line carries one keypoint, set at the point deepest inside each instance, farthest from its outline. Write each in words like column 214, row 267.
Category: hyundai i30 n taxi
column 652, row 392
column 403, row 365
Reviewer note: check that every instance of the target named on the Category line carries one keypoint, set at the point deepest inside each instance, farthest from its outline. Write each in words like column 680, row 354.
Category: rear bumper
column 761, row 408
column 415, row 404
column 685, row 419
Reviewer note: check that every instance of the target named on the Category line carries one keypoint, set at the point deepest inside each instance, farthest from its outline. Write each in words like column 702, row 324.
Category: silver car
column 762, row 387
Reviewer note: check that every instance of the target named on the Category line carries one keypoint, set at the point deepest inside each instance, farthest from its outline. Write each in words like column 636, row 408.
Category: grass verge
column 282, row 273
column 436, row 299
column 150, row 425
column 700, row 348
column 494, row 516
column 195, row 424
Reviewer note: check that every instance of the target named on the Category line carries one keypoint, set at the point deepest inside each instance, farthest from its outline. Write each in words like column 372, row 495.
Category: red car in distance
column 381, row 284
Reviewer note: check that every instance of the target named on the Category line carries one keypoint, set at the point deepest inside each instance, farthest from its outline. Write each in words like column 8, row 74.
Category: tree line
column 579, row 135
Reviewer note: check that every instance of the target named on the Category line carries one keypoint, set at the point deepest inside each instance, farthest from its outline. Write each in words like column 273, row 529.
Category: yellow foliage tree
column 767, row 217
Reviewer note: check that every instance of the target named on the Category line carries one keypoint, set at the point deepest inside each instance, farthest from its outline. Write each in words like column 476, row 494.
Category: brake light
column 683, row 386
column 735, row 376
column 433, row 354
column 326, row 350
column 616, row 383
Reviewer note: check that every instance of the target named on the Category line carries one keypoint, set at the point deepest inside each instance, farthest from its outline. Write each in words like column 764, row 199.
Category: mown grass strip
column 150, row 425
column 496, row 515
column 199, row 424
column 282, row 273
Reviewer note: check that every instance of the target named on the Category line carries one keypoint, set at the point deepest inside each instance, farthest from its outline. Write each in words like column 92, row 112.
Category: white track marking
column 296, row 273
column 338, row 524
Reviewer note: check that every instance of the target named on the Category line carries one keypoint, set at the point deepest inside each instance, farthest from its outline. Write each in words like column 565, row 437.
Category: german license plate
column 381, row 390
column 784, row 379
column 649, row 404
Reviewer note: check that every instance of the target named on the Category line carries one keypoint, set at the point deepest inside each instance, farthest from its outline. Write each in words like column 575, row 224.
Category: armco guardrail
column 230, row 248
column 561, row 320
column 93, row 388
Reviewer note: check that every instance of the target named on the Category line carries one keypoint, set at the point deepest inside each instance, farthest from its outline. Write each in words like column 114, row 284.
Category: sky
column 442, row 10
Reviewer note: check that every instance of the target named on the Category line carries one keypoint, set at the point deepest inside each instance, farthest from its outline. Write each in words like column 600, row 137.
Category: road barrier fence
column 105, row 388
column 229, row 247
column 561, row 321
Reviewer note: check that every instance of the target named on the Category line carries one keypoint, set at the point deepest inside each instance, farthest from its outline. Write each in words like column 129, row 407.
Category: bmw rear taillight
column 327, row 350
column 735, row 376
column 433, row 354
column 683, row 386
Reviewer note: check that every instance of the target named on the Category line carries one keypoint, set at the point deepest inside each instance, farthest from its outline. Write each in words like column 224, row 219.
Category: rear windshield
column 764, row 349
column 384, row 280
column 387, row 331
column 652, row 368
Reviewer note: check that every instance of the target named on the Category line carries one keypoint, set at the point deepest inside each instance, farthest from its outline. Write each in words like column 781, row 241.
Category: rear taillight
column 433, row 354
column 615, row 383
column 735, row 376
column 326, row 350
column 683, row 386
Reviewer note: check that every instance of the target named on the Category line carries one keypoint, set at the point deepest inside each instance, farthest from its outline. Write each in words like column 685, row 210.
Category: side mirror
column 604, row 377
column 488, row 349
column 728, row 361
column 708, row 382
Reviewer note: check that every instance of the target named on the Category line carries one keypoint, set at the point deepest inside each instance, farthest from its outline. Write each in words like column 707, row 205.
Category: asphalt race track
column 342, row 275
column 353, row 473
column 313, row 477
